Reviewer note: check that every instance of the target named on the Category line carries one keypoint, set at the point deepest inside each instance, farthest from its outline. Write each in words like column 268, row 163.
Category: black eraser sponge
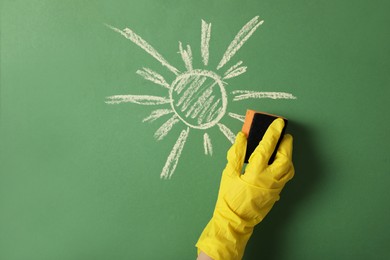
column 255, row 126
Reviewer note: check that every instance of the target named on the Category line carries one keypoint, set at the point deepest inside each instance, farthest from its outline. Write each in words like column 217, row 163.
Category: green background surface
column 79, row 179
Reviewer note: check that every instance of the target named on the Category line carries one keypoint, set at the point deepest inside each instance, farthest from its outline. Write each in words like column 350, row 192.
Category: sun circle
column 198, row 97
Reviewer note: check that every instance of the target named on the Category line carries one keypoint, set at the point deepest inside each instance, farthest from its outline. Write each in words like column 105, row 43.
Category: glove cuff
column 223, row 240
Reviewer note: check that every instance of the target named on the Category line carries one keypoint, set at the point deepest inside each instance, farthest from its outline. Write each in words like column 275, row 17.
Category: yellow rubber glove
column 245, row 199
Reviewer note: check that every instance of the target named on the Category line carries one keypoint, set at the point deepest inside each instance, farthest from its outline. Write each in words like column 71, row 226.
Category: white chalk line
column 153, row 76
column 233, row 67
column 166, row 127
column 242, row 36
column 137, row 99
column 246, row 94
column 236, row 72
column 206, row 92
column 182, row 84
column 173, row 158
column 204, row 42
column 237, row 116
column 195, row 109
column 208, row 148
column 132, row 36
column 157, row 114
column 195, row 85
column 227, row 132
column 186, row 56
column 205, row 109
column 214, row 110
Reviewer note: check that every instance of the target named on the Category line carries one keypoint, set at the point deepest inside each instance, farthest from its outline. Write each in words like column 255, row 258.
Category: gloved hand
column 245, row 199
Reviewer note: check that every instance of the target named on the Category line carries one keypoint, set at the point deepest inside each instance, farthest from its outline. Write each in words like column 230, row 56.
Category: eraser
column 255, row 125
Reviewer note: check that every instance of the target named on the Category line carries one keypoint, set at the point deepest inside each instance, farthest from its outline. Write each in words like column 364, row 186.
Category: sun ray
column 236, row 72
column 233, row 67
column 173, row 158
column 246, row 94
column 242, row 36
column 135, row 38
column 186, row 55
column 227, row 132
column 237, row 116
column 153, row 76
column 204, row 42
column 208, row 148
column 137, row 99
column 166, row 127
column 157, row 114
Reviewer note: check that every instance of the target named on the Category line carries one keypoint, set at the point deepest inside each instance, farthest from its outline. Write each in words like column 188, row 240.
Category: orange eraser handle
column 248, row 122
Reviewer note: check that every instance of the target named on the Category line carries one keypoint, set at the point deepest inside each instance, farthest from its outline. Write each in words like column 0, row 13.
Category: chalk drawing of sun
column 196, row 97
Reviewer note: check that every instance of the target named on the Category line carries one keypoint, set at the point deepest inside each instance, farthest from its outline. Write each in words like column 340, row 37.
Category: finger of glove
column 282, row 164
column 263, row 152
column 286, row 147
column 236, row 153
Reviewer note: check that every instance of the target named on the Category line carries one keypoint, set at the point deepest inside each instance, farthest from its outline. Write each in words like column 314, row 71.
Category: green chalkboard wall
column 80, row 177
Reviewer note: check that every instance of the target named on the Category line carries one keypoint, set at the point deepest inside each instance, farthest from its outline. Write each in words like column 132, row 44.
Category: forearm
column 203, row 256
